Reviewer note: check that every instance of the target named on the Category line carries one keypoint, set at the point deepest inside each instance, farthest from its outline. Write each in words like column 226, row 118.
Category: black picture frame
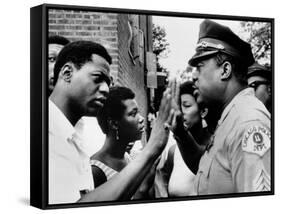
column 39, row 21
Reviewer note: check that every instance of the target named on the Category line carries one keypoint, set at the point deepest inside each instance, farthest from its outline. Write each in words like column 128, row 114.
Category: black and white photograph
column 144, row 106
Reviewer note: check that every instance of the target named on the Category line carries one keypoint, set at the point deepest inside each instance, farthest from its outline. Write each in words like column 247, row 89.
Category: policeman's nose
column 195, row 75
column 141, row 119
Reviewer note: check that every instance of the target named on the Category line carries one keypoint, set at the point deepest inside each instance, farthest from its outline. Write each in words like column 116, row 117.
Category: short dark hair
column 79, row 52
column 113, row 108
column 187, row 88
column 239, row 68
column 58, row 40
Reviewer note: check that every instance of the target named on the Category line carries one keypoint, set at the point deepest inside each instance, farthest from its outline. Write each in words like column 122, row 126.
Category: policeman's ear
column 66, row 72
column 226, row 70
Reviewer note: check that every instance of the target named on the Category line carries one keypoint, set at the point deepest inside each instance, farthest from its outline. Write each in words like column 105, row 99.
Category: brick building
column 127, row 37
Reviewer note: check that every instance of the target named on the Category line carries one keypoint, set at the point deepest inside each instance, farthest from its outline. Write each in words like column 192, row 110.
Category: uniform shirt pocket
column 202, row 177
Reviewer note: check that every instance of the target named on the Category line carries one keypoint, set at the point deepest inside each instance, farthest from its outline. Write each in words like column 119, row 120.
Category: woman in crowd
column 122, row 123
column 173, row 178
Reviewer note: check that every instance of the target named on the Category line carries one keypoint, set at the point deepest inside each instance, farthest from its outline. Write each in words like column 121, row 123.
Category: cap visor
column 200, row 56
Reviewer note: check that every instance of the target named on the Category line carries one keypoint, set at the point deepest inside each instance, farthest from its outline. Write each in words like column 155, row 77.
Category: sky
column 182, row 35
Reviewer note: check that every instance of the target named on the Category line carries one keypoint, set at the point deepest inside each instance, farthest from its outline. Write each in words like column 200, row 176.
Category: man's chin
column 92, row 112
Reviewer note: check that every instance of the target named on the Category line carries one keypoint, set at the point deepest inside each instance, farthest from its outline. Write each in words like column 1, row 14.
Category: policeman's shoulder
column 252, row 110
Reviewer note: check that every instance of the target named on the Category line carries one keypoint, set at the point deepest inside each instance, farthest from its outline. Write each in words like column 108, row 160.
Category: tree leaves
column 260, row 40
column 160, row 46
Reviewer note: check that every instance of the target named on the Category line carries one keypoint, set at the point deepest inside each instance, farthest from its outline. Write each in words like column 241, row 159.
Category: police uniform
column 259, row 70
column 238, row 158
column 260, row 78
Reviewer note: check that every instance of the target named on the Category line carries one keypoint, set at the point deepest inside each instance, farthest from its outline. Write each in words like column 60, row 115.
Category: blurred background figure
column 259, row 78
column 173, row 178
column 55, row 44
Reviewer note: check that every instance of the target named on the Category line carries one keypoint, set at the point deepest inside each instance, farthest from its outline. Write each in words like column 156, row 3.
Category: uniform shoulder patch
column 256, row 140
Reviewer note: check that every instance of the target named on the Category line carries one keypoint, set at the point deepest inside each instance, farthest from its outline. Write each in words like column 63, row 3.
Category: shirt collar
column 58, row 123
column 234, row 101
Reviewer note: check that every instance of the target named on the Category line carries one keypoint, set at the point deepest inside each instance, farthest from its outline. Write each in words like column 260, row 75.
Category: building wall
column 93, row 26
column 112, row 31
column 131, row 73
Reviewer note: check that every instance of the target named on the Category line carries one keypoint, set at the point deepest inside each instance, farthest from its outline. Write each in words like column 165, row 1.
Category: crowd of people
column 211, row 135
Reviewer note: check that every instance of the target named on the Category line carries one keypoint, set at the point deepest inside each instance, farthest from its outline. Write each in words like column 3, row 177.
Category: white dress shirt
column 69, row 165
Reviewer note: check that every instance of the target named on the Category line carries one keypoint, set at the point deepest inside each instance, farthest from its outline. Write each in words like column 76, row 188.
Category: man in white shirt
column 82, row 80
column 81, row 77
column 89, row 131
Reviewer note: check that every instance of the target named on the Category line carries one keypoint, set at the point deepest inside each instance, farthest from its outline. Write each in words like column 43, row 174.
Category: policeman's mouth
column 142, row 129
column 51, row 81
column 51, row 86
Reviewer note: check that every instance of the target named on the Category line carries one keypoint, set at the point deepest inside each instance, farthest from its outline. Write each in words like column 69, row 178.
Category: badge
column 256, row 140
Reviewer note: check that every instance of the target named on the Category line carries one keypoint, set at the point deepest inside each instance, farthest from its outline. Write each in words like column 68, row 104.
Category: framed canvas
column 135, row 106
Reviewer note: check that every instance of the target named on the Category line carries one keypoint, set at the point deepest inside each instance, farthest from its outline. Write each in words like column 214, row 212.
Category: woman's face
column 131, row 126
column 190, row 110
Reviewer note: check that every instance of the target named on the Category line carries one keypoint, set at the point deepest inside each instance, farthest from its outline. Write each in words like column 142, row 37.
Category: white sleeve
column 63, row 187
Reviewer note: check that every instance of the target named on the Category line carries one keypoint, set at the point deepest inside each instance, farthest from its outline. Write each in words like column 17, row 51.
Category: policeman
column 259, row 78
column 238, row 156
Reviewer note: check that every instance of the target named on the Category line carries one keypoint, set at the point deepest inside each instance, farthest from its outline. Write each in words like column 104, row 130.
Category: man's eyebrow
column 106, row 66
column 135, row 109
column 103, row 75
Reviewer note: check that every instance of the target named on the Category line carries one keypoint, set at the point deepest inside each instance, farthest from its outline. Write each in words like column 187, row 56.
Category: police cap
column 215, row 38
column 259, row 70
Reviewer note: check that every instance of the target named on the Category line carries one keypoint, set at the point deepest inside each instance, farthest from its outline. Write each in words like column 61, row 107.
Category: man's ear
column 226, row 70
column 67, row 72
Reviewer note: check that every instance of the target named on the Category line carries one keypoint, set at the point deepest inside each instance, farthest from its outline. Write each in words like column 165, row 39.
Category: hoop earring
column 204, row 113
column 117, row 134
